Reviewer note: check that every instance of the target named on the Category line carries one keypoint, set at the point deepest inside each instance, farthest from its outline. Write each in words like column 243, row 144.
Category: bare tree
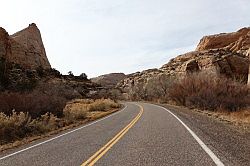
column 158, row 87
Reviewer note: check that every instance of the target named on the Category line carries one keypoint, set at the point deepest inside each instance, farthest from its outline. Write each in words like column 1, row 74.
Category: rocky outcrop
column 109, row 80
column 226, row 54
column 5, row 47
column 24, row 48
column 24, row 67
column 235, row 41
column 248, row 54
column 216, row 60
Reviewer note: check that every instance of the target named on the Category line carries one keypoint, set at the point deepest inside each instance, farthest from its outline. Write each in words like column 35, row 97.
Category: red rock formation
column 5, row 49
column 234, row 41
column 24, row 48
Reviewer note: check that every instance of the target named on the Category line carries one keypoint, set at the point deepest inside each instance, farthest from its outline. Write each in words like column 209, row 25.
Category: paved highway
column 140, row 134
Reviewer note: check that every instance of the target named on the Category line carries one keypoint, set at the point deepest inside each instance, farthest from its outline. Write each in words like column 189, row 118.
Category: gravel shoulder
column 230, row 142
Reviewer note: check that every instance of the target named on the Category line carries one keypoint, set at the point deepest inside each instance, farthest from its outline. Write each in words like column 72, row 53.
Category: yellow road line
column 93, row 159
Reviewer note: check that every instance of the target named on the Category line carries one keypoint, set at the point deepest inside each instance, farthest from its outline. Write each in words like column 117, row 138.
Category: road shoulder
column 229, row 141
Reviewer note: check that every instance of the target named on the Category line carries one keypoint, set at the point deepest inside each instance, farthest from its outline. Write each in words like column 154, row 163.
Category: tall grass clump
column 103, row 105
column 19, row 125
column 79, row 108
column 19, row 119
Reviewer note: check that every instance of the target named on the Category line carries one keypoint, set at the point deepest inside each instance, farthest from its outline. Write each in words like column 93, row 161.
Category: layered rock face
column 226, row 54
column 109, row 80
column 215, row 60
column 24, row 48
column 236, row 41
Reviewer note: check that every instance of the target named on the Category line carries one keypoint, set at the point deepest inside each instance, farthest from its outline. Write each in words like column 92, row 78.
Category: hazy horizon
column 98, row 37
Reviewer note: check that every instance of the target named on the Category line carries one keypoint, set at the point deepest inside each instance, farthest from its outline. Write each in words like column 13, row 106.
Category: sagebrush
column 17, row 125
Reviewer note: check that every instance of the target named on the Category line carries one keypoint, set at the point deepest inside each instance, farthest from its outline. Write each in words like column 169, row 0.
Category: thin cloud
column 98, row 37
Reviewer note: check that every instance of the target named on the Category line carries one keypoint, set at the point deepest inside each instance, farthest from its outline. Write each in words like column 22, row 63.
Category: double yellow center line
column 93, row 159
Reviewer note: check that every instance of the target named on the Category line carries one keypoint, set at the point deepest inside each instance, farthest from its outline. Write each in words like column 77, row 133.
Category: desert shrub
column 79, row 108
column 58, row 89
column 4, row 81
column 103, row 105
column 115, row 94
column 2, row 69
column 45, row 123
column 83, row 76
column 75, row 111
column 35, row 103
column 157, row 88
column 20, row 125
column 25, row 85
column 13, row 126
column 17, row 124
column 83, row 101
column 209, row 91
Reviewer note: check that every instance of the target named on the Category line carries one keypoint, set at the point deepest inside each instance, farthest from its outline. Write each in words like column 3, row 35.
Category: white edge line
column 49, row 140
column 200, row 142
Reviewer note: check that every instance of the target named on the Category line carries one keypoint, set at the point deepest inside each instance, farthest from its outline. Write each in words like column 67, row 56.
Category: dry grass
column 240, row 117
column 80, row 108
column 20, row 125
column 17, row 126
column 103, row 105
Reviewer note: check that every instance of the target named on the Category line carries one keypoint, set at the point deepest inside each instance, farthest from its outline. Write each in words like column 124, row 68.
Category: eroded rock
column 227, row 54
column 24, row 48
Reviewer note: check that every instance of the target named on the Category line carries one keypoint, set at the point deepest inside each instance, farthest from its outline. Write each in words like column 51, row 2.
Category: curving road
column 140, row 134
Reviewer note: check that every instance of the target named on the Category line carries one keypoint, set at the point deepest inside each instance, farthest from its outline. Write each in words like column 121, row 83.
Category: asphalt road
column 140, row 134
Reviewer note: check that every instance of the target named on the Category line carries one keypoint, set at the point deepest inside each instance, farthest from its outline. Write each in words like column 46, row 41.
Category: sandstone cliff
column 236, row 41
column 109, row 80
column 24, row 66
column 226, row 54
column 24, row 48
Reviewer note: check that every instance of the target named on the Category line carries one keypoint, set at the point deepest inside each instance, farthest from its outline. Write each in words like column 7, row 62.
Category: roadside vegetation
column 26, row 115
column 226, row 97
column 210, row 92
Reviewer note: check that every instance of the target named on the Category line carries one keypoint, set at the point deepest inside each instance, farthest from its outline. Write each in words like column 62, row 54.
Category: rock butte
column 24, row 48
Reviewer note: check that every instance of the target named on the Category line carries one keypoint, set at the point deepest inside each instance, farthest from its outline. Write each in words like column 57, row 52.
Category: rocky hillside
column 109, row 80
column 226, row 54
column 24, row 48
column 24, row 66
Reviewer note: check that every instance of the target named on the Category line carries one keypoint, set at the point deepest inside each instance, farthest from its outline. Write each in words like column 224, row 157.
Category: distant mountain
column 109, row 80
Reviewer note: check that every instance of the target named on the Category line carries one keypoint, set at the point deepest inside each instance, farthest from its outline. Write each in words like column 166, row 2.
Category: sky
column 103, row 36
